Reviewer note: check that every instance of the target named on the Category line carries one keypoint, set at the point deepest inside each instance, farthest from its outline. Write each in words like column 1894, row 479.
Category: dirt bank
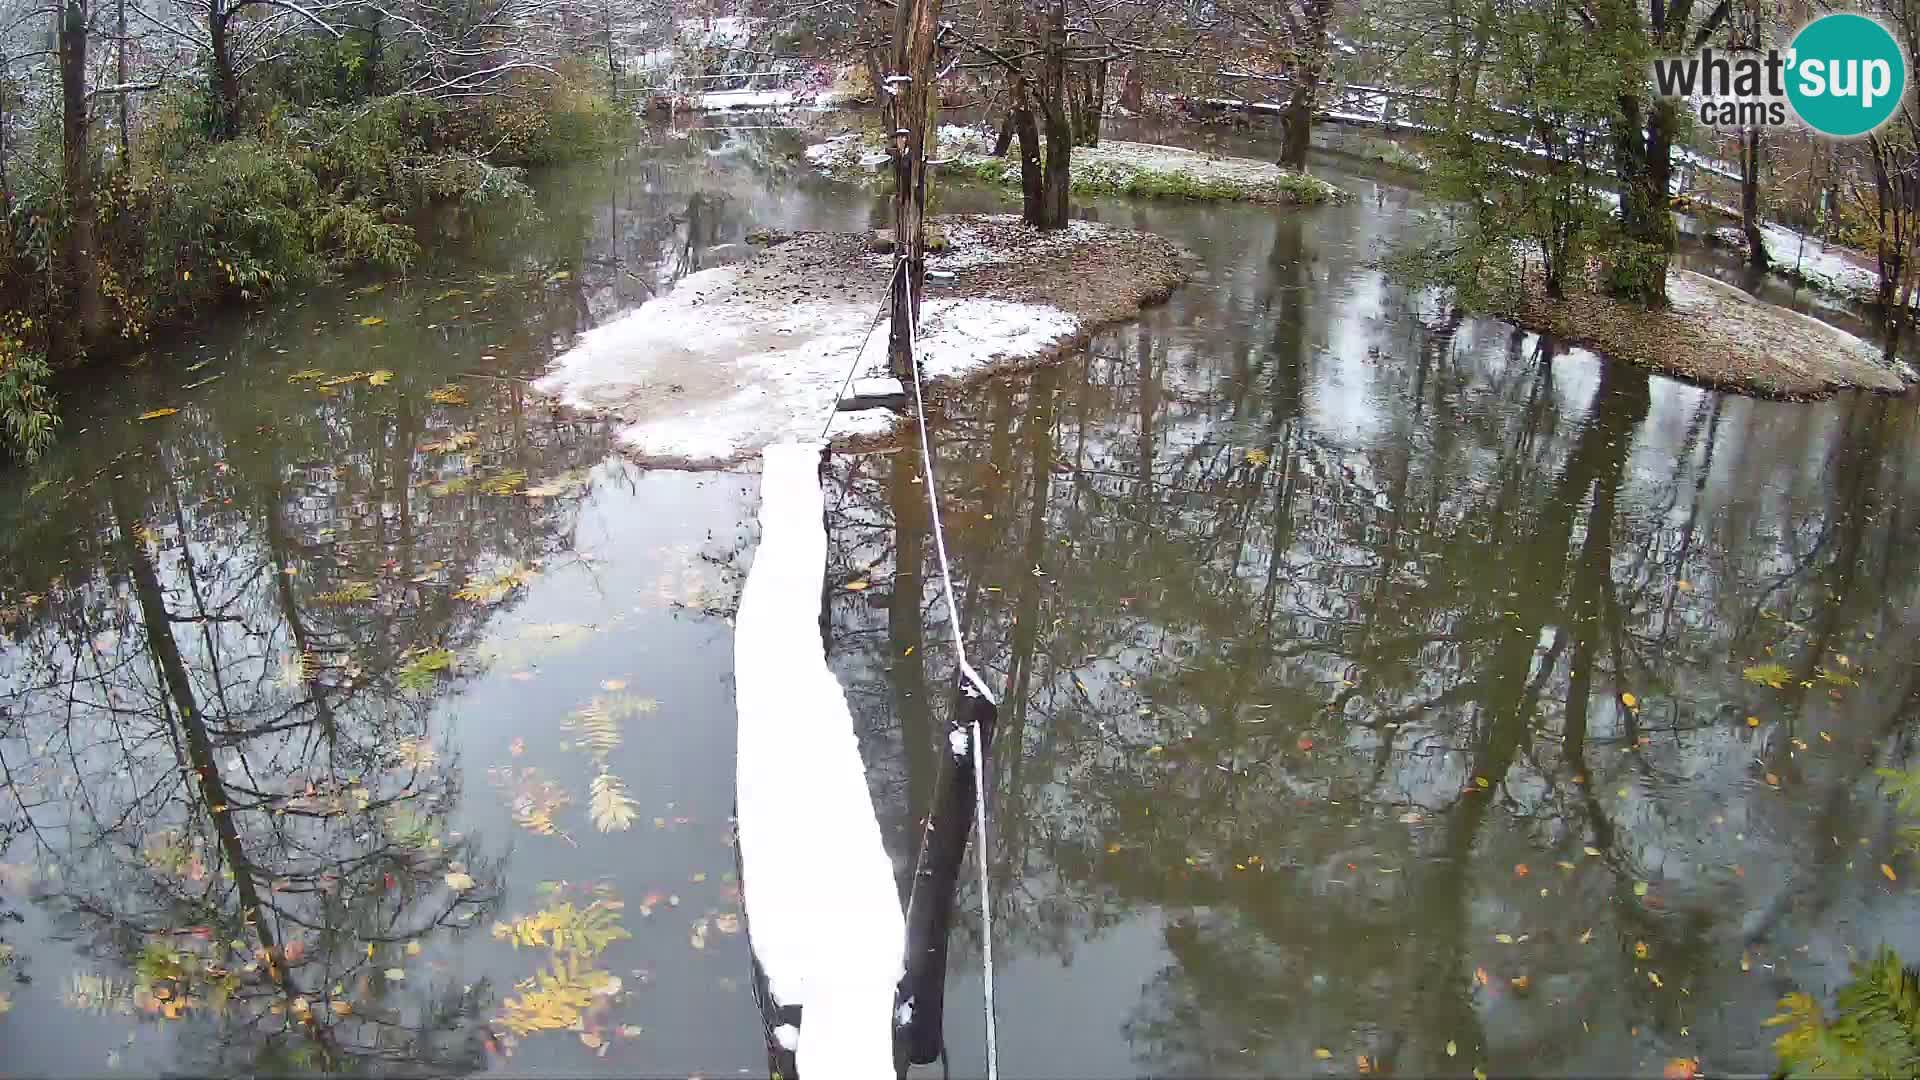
column 1112, row 168
column 748, row 354
column 1717, row 336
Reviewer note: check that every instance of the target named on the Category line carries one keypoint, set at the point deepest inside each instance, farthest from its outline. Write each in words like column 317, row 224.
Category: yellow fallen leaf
column 1521, row 982
column 1594, row 851
column 372, row 320
column 1639, row 888
column 612, row 685
column 591, row 1040
column 1745, row 963
column 395, row 975
column 1629, row 701
column 413, row 948
column 380, row 378
column 1452, row 1048
column 1504, row 939
column 1322, row 1053
column 156, row 414
column 1753, row 721
column 857, row 586
column 1479, row 1073
column 1654, row 978
column 1481, row 781
column 1587, row 937
column 1640, row 949
column 1888, row 870
column 459, row 881
column 341, row 1008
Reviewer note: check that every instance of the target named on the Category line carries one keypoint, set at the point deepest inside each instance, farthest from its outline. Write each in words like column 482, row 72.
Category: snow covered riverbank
column 1718, row 336
column 741, row 356
column 1112, row 168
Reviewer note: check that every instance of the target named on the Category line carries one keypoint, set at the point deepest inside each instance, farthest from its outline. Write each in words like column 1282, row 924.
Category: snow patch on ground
column 1822, row 266
column 823, row 916
column 706, row 375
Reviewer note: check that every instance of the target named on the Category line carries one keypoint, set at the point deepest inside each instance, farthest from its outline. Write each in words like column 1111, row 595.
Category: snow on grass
column 1112, row 168
column 1822, row 266
column 823, row 915
column 725, row 365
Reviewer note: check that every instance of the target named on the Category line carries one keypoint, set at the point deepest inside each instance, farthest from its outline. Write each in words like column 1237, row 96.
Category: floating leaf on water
column 342, row 380
column 155, row 414
column 1629, row 701
column 493, row 589
column 727, row 924
column 609, row 805
column 353, row 592
column 395, row 974
column 1640, row 949
column 1453, row 1048
column 1323, row 1053
column 413, row 948
column 341, row 1008
column 563, row 928
column 307, row 375
column 380, row 378
column 613, row 684
column 456, row 486
column 1481, row 782
column 1773, row 675
column 1504, row 939
column 459, row 881
column 1639, row 888
column 566, row 483
column 1587, row 937
column 1257, row 457
column 372, row 320
column 858, row 586
column 459, row 440
column 422, row 671
column 552, row 1000
column 1888, row 871
column 449, row 395
column 505, row 483
column 590, row 1039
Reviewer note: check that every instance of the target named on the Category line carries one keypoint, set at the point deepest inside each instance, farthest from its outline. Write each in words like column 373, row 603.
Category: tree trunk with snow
column 910, row 102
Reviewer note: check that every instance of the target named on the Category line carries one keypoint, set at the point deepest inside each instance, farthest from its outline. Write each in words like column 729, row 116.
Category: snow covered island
column 1112, row 168
column 1720, row 337
column 753, row 353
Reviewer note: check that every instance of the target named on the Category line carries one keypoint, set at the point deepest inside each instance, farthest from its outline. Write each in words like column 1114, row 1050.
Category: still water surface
column 1376, row 679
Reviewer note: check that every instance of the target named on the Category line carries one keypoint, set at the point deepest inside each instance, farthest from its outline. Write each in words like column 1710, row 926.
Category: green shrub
column 27, row 417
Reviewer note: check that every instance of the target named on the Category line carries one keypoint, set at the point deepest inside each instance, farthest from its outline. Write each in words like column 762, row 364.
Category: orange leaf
column 1888, row 870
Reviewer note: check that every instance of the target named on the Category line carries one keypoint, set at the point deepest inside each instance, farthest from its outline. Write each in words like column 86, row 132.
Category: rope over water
column 976, row 686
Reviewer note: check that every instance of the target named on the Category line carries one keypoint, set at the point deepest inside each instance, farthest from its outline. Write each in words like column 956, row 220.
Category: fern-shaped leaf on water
column 421, row 671
column 553, row 1000
column 595, row 727
column 609, row 805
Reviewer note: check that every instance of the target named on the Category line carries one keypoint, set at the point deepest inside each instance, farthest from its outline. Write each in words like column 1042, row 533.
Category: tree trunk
column 225, row 83
column 1099, row 112
column 908, row 118
column 1643, row 158
column 1032, row 176
column 1056, row 179
column 1296, row 123
column 1005, row 139
column 1133, row 88
column 79, row 272
column 120, row 76
column 1750, row 198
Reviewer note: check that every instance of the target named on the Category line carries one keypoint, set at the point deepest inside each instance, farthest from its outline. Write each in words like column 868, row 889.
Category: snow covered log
column 823, row 913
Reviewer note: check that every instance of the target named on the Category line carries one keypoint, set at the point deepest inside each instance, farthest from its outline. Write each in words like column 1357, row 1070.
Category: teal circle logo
column 1846, row 75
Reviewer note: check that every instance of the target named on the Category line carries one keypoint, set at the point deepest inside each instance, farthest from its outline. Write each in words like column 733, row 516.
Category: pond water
column 1380, row 683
